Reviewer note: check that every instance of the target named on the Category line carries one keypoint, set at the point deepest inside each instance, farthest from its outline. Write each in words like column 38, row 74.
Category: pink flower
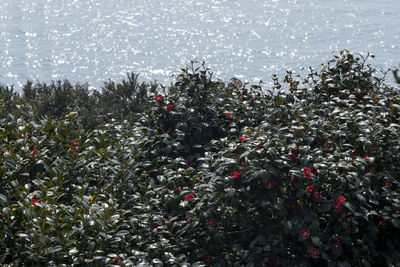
column 314, row 252
column 310, row 189
column 189, row 197
column 158, row 98
column 176, row 189
column 228, row 115
column 243, row 137
column 236, row 174
column 270, row 185
column 307, row 172
column 305, row 233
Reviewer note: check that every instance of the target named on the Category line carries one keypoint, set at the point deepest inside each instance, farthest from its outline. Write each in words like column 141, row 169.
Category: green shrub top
column 205, row 173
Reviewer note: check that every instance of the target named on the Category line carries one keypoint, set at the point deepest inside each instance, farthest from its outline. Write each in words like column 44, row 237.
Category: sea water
column 96, row 40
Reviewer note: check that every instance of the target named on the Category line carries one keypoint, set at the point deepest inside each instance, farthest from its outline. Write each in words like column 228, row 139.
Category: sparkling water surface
column 94, row 40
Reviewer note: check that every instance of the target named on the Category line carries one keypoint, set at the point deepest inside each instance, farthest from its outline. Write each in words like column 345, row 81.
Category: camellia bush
column 208, row 174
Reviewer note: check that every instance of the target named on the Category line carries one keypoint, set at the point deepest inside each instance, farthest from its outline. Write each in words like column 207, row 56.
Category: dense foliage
column 204, row 173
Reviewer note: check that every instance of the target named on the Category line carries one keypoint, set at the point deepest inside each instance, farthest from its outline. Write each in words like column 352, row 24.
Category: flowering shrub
column 303, row 174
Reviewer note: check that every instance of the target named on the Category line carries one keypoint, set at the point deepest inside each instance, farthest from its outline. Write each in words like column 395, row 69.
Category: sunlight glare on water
column 96, row 40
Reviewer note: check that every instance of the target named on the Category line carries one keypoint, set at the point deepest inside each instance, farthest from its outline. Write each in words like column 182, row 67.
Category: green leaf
column 3, row 200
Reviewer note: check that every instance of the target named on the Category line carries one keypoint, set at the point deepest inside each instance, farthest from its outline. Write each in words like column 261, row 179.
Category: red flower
column 211, row 223
column 270, row 185
column 386, row 183
column 243, row 137
column 302, row 119
column 292, row 156
column 271, row 262
column 73, row 143
column 337, row 245
column 189, row 197
column 176, row 189
column 337, row 206
column 382, row 224
column 117, row 261
column 170, row 206
column 370, row 159
column 169, row 106
column 189, row 220
column 228, row 115
column 16, row 138
column 314, row 252
column 295, row 150
column 158, row 98
column 33, row 153
column 370, row 171
column 293, row 181
column 236, row 174
column 307, row 172
column 305, row 233
column 341, row 199
column 35, row 200
column 310, row 189
column 188, row 164
column 294, row 206
column 207, row 260
column 354, row 153
column 317, row 196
